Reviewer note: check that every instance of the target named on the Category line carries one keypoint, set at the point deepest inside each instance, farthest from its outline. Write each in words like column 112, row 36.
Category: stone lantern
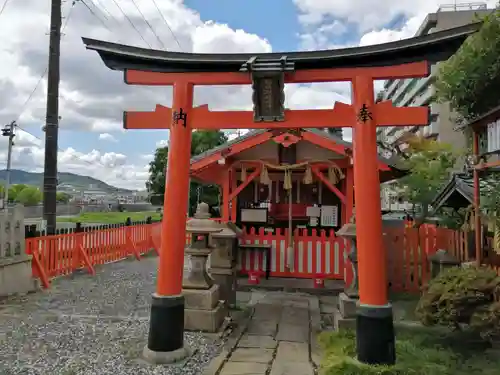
column 203, row 310
column 345, row 315
column 442, row 260
column 348, row 231
column 223, row 261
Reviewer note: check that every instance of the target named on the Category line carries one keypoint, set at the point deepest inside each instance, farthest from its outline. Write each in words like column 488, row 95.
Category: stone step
column 341, row 323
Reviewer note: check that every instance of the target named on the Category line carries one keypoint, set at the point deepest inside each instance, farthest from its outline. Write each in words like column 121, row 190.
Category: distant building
column 420, row 92
column 94, row 195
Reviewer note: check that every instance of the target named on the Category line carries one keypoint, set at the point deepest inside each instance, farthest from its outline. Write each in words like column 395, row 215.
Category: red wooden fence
column 315, row 255
column 62, row 254
column 325, row 256
column 318, row 255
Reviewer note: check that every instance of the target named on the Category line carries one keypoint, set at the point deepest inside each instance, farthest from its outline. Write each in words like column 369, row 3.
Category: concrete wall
column 15, row 265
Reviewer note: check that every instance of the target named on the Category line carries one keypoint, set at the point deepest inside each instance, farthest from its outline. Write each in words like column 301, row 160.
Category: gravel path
column 90, row 325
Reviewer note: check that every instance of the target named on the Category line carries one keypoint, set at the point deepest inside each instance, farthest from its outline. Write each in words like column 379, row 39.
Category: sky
column 92, row 98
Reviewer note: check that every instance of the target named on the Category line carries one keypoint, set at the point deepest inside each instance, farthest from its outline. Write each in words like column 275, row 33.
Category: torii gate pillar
column 375, row 338
column 166, row 326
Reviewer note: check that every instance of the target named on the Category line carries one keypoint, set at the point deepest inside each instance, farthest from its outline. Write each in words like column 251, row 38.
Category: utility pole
column 8, row 131
column 52, row 119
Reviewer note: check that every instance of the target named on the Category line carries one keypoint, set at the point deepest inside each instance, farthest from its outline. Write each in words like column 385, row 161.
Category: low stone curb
column 315, row 316
column 218, row 362
column 315, row 350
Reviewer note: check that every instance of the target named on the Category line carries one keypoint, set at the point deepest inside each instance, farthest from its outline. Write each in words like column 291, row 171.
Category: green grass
column 420, row 351
column 109, row 217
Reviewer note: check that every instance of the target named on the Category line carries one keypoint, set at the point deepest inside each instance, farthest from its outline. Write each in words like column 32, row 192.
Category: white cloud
column 162, row 143
column 107, row 137
column 92, row 97
column 366, row 14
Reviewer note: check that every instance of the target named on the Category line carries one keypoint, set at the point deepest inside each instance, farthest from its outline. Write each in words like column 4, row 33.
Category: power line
column 131, row 23
column 149, row 25
column 4, row 6
column 94, row 13
column 167, row 24
column 106, row 12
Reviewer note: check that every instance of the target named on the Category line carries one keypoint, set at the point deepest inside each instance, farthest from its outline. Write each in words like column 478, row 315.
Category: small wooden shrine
column 285, row 178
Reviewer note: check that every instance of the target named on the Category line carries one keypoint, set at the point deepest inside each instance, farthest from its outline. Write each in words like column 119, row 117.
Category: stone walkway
column 276, row 339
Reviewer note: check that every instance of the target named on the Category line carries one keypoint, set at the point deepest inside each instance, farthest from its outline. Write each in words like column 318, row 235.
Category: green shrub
column 487, row 322
column 458, row 297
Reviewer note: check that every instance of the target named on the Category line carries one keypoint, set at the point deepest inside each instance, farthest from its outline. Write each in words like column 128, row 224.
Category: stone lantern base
column 203, row 311
column 344, row 316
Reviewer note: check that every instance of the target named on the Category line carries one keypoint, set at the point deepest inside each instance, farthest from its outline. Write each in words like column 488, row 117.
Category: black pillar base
column 375, row 340
column 166, row 324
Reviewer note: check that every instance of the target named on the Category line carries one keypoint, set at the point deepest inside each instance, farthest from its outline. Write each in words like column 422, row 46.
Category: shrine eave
column 395, row 165
column 433, row 47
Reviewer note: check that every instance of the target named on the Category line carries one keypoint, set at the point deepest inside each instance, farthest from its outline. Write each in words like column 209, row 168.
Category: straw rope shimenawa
column 335, row 174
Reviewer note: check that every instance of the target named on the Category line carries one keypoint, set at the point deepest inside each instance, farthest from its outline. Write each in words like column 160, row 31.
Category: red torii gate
column 267, row 73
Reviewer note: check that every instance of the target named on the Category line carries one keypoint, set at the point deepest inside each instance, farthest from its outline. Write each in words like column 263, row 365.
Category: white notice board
column 329, row 216
column 249, row 215
column 312, row 211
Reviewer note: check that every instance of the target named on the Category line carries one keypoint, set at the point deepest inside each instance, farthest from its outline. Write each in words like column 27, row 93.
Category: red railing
column 324, row 255
column 63, row 254
column 319, row 254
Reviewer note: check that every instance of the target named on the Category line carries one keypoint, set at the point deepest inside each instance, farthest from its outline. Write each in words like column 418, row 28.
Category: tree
column 430, row 164
column 29, row 196
column 156, row 182
column 202, row 141
column 14, row 190
column 470, row 77
column 62, row 197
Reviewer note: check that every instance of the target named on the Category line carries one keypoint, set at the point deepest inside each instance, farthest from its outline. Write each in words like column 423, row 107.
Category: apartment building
column 420, row 92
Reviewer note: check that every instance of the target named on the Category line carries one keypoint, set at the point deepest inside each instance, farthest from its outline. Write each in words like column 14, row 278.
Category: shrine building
column 277, row 182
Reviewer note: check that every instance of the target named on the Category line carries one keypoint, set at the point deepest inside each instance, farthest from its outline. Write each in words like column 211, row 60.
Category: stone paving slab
column 267, row 312
column 252, row 355
column 255, row 341
column 293, row 352
column 293, row 332
column 280, row 368
column 263, row 328
column 244, row 368
column 295, row 316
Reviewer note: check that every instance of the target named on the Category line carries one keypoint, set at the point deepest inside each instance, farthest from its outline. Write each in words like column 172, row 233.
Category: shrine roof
column 432, row 47
column 228, row 144
column 394, row 162
column 459, row 191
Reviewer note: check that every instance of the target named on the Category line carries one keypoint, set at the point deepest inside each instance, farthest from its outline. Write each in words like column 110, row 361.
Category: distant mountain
column 29, row 178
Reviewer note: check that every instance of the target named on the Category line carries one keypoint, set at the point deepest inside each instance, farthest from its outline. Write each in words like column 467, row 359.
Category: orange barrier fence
column 63, row 254
column 408, row 251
